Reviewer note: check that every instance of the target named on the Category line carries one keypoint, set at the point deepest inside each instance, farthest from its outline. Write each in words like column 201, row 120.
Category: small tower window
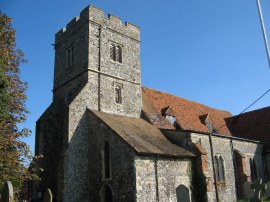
column 70, row 56
column 116, row 53
column 106, row 164
column 118, row 95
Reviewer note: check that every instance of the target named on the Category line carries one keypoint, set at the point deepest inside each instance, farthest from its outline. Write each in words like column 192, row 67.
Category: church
column 107, row 138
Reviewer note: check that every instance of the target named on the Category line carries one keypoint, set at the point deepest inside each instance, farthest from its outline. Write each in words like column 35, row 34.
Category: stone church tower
column 97, row 62
column 97, row 66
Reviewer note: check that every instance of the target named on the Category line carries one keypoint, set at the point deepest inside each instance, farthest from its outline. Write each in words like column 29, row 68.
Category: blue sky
column 209, row 51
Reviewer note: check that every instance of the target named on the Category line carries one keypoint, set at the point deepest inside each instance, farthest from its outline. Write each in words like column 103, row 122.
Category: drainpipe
column 235, row 169
column 99, row 66
column 213, row 164
column 156, row 178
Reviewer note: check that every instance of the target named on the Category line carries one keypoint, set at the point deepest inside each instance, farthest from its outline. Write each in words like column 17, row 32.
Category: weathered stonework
column 251, row 149
column 122, row 180
column 204, row 141
column 157, row 178
column 93, row 72
column 225, row 147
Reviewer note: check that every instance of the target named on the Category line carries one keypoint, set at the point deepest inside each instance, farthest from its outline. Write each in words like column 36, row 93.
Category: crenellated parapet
column 96, row 16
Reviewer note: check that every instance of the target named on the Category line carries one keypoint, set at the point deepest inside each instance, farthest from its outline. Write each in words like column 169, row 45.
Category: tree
column 14, row 153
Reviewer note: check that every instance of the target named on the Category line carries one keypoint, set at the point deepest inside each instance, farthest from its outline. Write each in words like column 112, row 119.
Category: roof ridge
column 253, row 111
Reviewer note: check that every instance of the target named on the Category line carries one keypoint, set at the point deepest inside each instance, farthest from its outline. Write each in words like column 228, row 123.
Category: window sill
column 221, row 183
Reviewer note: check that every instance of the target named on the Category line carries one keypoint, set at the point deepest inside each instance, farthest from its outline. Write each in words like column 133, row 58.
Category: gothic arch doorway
column 106, row 194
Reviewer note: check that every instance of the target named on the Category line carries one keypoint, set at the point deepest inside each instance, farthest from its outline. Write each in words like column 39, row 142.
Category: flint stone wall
column 252, row 150
column 221, row 147
column 94, row 75
column 90, row 83
column 122, row 181
column 158, row 178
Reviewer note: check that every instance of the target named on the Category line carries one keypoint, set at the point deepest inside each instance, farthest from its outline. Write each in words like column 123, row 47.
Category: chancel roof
column 189, row 115
column 253, row 125
column 143, row 137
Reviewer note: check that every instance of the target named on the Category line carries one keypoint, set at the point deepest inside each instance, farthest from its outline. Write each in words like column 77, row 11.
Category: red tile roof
column 253, row 125
column 188, row 113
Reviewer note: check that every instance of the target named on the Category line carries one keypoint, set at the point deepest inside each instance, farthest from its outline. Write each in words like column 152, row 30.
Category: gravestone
column 182, row 193
column 267, row 190
column 48, row 197
column 248, row 191
column 7, row 194
column 259, row 190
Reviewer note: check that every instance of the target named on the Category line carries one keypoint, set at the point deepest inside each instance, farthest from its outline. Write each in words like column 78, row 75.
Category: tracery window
column 219, row 168
column 116, row 53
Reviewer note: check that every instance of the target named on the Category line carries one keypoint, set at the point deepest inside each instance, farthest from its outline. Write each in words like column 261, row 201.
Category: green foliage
column 14, row 153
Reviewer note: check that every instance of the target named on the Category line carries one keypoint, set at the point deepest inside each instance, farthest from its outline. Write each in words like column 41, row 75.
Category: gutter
column 216, row 135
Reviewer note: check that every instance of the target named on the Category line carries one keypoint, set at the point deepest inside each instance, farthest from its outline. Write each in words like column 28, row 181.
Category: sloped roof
column 188, row 113
column 253, row 125
column 141, row 135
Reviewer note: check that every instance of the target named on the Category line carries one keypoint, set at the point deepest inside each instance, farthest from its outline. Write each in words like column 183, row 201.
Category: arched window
column 219, row 168
column 107, row 195
column 118, row 54
column 253, row 170
column 70, row 56
column 106, row 164
column 112, row 52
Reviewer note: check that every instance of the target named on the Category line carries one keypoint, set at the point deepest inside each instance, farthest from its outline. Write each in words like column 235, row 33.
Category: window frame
column 252, row 168
column 106, row 161
column 116, row 52
column 70, row 56
column 219, row 165
column 118, row 93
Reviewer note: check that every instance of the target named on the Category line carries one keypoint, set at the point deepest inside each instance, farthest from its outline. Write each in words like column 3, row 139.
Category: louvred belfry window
column 112, row 52
column 116, row 53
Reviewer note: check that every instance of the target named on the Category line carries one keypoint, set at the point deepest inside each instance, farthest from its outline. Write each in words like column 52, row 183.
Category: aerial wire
column 267, row 52
column 264, row 32
column 249, row 106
